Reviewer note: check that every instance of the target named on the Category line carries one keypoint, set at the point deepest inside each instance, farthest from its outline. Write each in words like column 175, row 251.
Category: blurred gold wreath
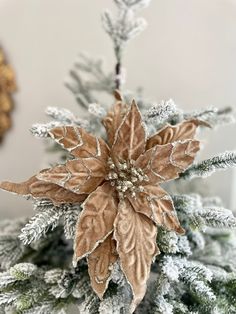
column 7, row 87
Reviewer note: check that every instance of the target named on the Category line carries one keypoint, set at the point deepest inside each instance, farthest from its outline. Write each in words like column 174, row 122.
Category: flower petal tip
column 180, row 230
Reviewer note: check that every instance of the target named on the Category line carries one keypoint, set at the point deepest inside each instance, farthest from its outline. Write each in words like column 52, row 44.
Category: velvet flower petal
column 40, row 189
column 136, row 246
column 96, row 220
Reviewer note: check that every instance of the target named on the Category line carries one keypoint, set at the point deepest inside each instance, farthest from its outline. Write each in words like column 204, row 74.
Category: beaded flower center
column 126, row 178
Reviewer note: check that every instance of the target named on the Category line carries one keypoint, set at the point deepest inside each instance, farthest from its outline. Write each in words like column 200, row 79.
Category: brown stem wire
column 118, row 73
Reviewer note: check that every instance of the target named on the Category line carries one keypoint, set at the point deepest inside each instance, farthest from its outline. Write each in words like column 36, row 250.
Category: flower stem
column 118, row 74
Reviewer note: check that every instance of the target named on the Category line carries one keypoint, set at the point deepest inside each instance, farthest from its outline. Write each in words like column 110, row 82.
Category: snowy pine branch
column 133, row 4
column 7, row 298
column 212, row 201
column 97, row 110
column 38, row 225
column 6, row 280
column 48, row 218
column 23, row 271
column 112, row 305
column 209, row 166
column 213, row 116
column 202, row 291
column 218, row 217
column 66, row 117
column 196, row 271
column 94, row 68
column 197, row 240
column 11, row 248
column 70, row 218
column 160, row 113
column 41, row 130
column 122, row 28
column 27, row 289
column 198, row 277
column 187, row 206
column 167, row 241
column 87, row 78
column 174, row 270
column 201, row 213
column 62, row 117
column 44, row 308
column 76, row 85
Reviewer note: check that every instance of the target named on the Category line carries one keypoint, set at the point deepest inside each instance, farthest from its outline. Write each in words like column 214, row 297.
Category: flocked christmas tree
column 137, row 242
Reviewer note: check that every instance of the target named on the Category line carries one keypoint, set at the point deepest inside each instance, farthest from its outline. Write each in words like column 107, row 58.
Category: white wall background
column 188, row 53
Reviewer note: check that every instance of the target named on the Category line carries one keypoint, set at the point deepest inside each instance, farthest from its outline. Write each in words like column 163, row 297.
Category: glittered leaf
column 96, row 220
column 172, row 133
column 136, row 245
column 40, row 189
column 165, row 162
column 57, row 194
column 130, row 137
column 80, row 143
column 156, row 204
column 113, row 120
column 22, row 188
column 100, row 263
column 79, row 175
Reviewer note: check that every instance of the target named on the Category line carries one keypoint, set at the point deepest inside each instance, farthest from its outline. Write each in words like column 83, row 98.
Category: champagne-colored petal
column 136, row 245
column 165, row 162
column 22, row 188
column 40, row 189
column 96, row 220
column 172, row 133
column 114, row 118
column 57, row 194
column 100, row 263
column 80, row 176
column 156, row 203
column 80, row 143
column 130, row 138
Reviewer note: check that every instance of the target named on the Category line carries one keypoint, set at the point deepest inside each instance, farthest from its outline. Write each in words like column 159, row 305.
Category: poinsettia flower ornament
column 119, row 185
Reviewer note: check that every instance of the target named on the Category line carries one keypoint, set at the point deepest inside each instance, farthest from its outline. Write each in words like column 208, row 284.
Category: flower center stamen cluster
column 126, row 178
